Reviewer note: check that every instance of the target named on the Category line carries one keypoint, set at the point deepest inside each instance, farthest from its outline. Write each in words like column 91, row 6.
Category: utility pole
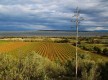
column 77, row 19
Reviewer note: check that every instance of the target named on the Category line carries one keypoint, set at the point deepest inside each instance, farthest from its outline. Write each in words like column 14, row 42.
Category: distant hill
column 75, row 30
column 51, row 33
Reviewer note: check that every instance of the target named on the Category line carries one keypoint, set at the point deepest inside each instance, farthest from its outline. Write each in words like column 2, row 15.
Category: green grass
column 102, row 46
column 2, row 42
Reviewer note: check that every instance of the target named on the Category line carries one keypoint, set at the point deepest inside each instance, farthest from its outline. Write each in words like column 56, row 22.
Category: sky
column 25, row 15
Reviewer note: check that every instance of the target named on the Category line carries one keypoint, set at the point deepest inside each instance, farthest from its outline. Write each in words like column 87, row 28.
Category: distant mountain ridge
column 51, row 33
column 75, row 30
column 58, row 31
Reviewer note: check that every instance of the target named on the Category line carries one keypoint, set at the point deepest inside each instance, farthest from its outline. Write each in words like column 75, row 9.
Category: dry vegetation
column 51, row 60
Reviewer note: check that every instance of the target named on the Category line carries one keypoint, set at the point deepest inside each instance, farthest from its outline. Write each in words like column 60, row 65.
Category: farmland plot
column 53, row 51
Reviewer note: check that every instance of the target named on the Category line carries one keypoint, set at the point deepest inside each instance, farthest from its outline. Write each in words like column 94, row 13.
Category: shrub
column 103, row 67
column 35, row 67
column 105, row 51
column 29, row 67
column 62, row 41
column 87, row 69
column 97, row 50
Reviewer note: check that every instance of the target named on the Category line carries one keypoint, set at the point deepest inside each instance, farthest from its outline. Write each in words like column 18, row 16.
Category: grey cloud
column 55, row 14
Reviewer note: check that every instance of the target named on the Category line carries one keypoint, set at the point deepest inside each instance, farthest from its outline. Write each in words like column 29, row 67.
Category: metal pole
column 76, row 49
column 77, row 45
column 77, row 21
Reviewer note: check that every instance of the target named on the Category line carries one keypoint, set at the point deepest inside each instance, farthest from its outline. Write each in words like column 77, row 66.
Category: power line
column 77, row 19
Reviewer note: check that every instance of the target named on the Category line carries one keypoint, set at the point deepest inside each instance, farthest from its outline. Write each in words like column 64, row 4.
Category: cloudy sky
column 22, row 15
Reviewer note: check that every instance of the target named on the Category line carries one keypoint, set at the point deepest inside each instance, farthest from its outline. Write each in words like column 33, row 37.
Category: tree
column 97, row 49
column 105, row 51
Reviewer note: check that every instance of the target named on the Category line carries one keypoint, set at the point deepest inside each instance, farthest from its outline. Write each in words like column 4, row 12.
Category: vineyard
column 53, row 51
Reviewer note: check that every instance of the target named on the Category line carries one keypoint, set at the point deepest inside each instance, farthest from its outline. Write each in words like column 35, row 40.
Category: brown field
column 53, row 51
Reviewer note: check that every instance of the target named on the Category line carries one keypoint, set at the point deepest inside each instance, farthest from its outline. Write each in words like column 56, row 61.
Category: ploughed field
column 53, row 51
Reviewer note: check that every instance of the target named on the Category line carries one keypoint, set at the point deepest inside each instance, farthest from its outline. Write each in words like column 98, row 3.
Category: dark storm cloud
column 55, row 14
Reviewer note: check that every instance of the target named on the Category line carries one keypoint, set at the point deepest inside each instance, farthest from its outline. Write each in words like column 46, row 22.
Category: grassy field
column 49, row 60
column 53, row 51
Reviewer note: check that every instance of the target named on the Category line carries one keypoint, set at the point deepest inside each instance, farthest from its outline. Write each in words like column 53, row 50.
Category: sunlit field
column 53, row 51
column 53, row 58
